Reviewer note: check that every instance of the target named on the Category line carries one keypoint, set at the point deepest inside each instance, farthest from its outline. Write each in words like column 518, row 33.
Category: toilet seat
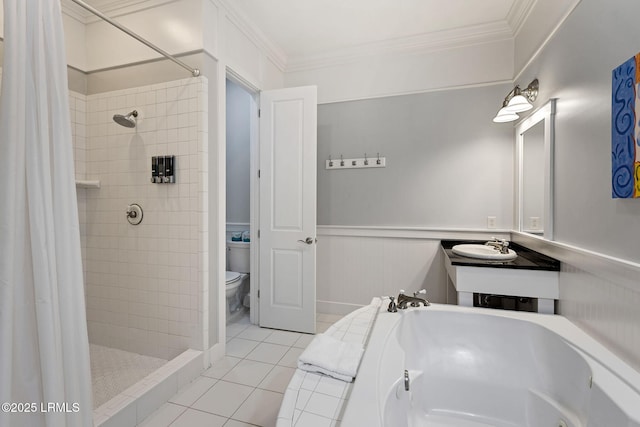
column 231, row 277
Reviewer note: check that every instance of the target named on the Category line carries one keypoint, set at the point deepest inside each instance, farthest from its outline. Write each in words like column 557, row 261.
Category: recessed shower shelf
column 80, row 183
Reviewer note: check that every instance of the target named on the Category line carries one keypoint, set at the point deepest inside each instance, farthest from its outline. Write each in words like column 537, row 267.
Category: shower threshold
column 128, row 387
column 114, row 370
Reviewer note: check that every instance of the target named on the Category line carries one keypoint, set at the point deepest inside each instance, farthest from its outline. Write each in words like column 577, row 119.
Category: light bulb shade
column 505, row 116
column 518, row 104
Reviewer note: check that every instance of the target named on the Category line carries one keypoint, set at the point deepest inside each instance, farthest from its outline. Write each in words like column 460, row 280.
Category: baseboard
column 215, row 353
column 334, row 307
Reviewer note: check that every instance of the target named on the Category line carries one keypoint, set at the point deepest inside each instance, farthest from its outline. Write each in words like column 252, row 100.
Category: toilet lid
column 231, row 276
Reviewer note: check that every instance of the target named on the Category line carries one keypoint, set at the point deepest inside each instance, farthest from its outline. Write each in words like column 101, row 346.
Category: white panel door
column 288, row 133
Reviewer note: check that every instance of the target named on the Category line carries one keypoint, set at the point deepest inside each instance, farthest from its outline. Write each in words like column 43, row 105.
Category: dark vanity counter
column 527, row 259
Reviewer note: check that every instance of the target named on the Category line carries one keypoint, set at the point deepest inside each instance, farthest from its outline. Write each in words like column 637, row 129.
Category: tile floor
column 246, row 387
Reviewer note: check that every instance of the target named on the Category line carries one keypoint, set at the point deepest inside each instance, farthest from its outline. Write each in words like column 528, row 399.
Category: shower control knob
column 134, row 214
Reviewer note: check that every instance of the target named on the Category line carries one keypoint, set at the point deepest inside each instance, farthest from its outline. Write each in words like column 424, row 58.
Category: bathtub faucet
column 415, row 300
column 501, row 245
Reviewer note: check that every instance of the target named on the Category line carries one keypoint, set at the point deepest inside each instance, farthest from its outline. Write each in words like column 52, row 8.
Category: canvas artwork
column 625, row 129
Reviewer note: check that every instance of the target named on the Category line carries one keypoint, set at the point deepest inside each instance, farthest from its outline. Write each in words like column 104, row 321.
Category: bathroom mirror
column 534, row 198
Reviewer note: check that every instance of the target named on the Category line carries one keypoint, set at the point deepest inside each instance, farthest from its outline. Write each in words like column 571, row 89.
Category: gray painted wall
column 448, row 164
column 238, row 154
column 575, row 67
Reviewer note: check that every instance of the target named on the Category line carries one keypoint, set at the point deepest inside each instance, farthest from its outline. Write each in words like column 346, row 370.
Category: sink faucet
column 415, row 300
column 501, row 245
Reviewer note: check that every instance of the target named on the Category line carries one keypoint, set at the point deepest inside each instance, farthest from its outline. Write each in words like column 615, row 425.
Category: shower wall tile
column 145, row 284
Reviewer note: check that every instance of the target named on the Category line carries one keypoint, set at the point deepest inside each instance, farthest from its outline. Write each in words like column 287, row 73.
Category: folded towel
column 330, row 356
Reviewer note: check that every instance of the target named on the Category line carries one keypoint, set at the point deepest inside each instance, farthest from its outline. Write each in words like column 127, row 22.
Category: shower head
column 128, row 121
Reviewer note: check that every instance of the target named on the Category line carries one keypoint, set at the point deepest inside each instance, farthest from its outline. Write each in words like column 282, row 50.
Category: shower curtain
column 44, row 351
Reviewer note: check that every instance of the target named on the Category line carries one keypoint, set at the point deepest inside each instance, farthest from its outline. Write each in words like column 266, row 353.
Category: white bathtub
column 479, row 367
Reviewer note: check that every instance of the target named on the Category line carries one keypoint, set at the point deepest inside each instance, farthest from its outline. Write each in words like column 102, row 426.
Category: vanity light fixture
column 505, row 115
column 517, row 101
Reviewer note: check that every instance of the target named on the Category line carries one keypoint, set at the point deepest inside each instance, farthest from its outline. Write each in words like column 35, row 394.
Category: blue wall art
column 625, row 130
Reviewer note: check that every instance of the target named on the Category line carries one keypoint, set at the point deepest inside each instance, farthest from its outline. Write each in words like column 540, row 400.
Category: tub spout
column 415, row 301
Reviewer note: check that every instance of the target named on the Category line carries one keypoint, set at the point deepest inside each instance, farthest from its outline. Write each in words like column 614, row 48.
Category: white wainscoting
column 354, row 264
column 599, row 293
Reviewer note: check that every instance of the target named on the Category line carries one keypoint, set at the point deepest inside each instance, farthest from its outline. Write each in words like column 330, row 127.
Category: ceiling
column 312, row 32
column 307, row 27
column 304, row 30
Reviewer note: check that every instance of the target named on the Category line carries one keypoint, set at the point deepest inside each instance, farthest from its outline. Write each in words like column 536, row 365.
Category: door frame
column 254, row 193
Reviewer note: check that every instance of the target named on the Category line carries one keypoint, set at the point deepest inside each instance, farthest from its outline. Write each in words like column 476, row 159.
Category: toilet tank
column 239, row 256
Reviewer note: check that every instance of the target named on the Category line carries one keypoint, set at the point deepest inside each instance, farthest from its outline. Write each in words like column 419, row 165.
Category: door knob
column 308, row 240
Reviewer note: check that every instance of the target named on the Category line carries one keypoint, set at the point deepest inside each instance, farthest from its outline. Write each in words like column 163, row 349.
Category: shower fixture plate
column 134, row 214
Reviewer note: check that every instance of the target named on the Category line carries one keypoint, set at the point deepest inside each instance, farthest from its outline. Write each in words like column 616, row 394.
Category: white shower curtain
column 44, row 350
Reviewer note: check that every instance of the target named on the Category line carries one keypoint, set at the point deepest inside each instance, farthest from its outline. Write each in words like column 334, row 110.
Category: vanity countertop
column 527, row 259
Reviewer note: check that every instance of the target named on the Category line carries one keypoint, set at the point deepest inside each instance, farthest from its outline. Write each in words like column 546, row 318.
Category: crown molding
column 111, row 8
column 115, row 8
column 74, row 11
column 253, row 32
column 518, row 14
column 417, row 44
column 570, row 6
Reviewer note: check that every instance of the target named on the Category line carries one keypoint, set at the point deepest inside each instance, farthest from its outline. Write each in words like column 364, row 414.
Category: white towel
column 330, row 356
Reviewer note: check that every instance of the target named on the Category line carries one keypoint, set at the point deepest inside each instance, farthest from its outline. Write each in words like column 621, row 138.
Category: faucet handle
column 402, row 291
column 393, row 308
column 420, row 292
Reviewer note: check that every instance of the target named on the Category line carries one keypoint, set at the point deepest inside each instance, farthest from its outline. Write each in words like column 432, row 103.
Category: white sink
column 483, row 252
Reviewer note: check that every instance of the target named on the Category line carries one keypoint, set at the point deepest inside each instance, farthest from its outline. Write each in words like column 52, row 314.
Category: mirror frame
column 547, row 114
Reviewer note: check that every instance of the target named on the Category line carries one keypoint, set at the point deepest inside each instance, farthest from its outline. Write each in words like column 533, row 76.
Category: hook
column 330, row 161
column 378, row 161
column 366, row 161
column 341, row 160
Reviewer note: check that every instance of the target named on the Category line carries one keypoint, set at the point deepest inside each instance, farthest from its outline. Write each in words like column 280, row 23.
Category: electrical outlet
column 491, row 222
column 535, row 222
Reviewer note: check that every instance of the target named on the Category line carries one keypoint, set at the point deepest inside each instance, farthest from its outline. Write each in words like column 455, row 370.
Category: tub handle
column 406, row 380
column 393, row 308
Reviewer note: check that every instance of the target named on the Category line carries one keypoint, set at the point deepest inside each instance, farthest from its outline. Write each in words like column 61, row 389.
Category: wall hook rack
column 355, row 163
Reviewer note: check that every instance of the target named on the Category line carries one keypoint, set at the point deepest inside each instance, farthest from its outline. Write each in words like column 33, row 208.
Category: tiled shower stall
column 145, row 285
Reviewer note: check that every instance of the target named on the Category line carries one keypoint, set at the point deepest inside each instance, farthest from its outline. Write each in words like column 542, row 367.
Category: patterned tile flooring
column 113, row 371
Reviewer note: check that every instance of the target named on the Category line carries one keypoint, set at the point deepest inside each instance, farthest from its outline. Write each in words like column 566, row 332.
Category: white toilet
column 237, row 278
